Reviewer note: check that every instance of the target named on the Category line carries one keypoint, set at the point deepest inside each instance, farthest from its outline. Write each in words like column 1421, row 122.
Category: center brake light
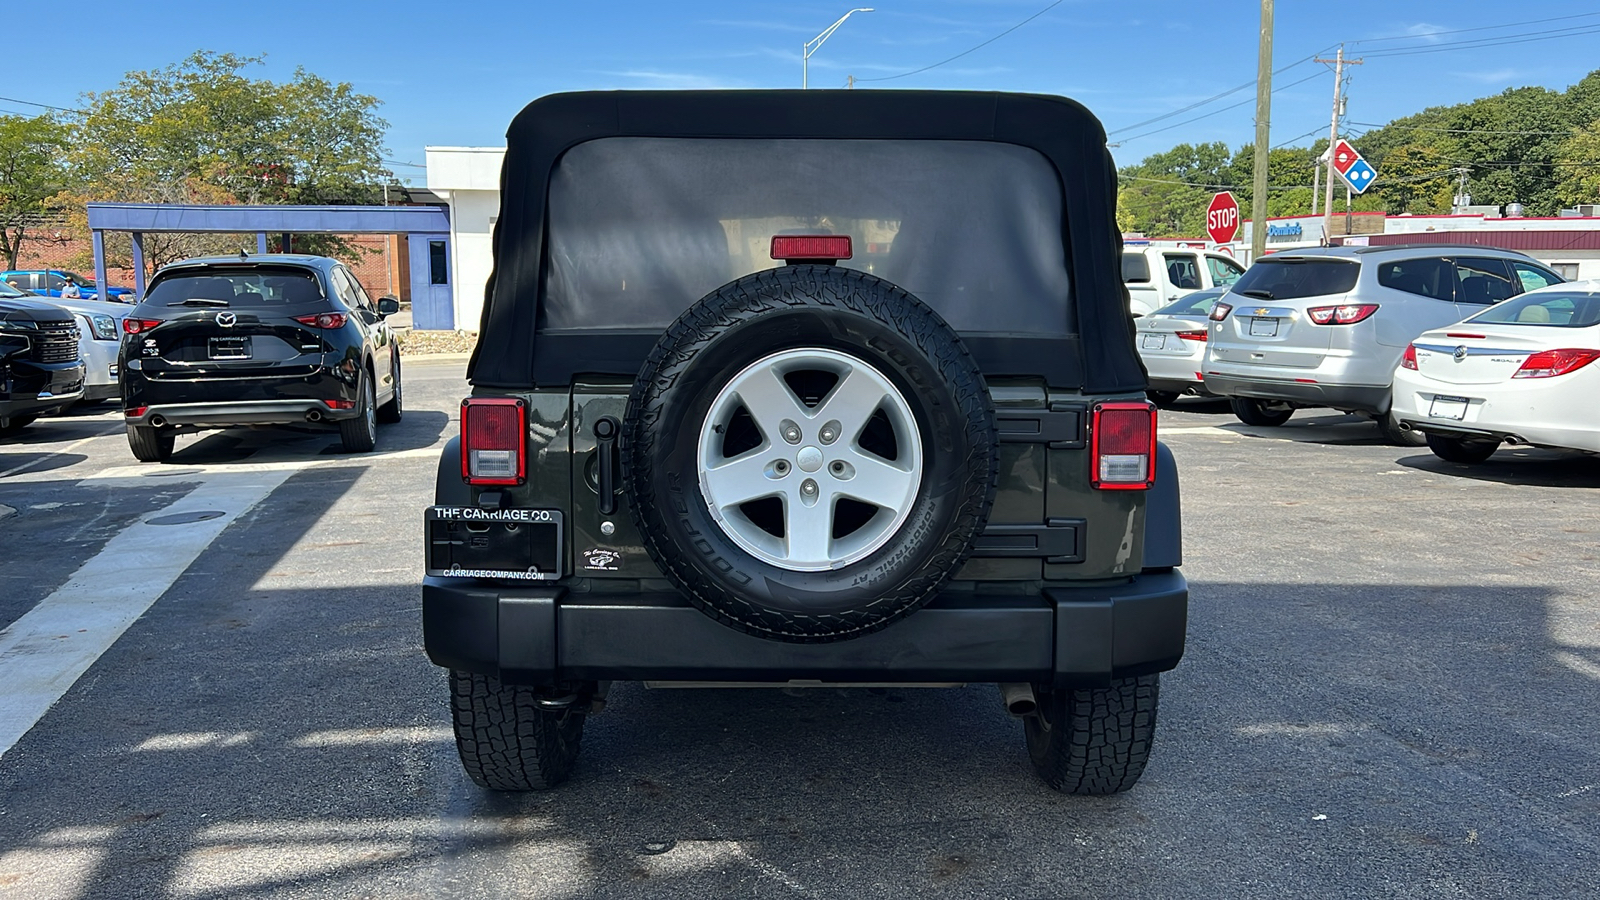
column 1341, row 315
column 1122, row 447
column 139, row 326
column 494, row 439
column 322, row 320
column 1550, row 363
column 829, row 248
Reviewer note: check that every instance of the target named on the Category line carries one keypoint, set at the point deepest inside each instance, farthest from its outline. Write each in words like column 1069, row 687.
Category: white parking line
column 43, row 653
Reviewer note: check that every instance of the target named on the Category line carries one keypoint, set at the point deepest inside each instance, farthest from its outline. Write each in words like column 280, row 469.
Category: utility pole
column 1316, row 183
column 1258, row 193
column 1339, row 62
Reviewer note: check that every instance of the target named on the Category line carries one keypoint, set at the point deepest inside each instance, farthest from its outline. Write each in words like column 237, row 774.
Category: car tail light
column 1462, row 334
column 322, row 320
column 340, row 404
column 1122, row 449
column 139, row 326
column 494, row 441
column 1341, row 315
column 1192, row 336
column 792, row 247
column 1219, row 311
column 1550, row 363
column 134, row 412
column 1409, row 360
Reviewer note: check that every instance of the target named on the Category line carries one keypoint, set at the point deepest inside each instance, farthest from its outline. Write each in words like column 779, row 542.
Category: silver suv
column 1326, row 326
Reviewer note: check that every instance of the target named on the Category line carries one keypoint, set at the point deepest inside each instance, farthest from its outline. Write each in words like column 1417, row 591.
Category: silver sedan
column 1172, row 343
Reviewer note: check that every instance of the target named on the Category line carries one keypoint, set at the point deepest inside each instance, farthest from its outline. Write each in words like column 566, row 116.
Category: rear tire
column 1094, row 740
column 1261, row 413
column 506, row 740
column 1461, row 450
column 360, row 434
column 1394, row 434
column 150, row 444
column 14, row 424
column 390, row 412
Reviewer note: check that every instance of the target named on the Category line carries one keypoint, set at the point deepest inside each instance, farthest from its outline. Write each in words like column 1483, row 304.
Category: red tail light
column 494, row 434
column 1341, row 315
column 1193, row 336
column 1462, row 334
column 1219, row 311
column 1550, row 363
column 1409, row 360
column 1122, row 446
column 322, row 320
column 134, row 412
column 139, row 326
column 792, row 247
column 340, row 404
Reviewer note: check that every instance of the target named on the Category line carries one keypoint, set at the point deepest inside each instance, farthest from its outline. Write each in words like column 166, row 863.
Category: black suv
column 806, row 388
column 41, row 370
column 275, row 339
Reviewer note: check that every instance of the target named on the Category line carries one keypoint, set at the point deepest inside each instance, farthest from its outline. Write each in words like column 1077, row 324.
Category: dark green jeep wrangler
column 822, row 388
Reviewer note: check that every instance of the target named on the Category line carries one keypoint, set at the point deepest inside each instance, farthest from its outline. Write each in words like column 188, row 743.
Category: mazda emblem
column 226, row 319
column 1460, row 354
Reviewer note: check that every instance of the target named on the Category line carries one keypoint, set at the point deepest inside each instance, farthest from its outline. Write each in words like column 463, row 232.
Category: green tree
column 1579, row 169
column 202, row 131
column 30, row 174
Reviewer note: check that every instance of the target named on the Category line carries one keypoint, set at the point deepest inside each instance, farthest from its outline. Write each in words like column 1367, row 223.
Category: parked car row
column 1402, row 335
column 217, row 342
column 53, row 282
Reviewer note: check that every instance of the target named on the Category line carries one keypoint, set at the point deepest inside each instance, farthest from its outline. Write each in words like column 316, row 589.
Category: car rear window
column 1198, row 303
column 1558, row 309
column 1291, row 278
column 1428, row 277
column 1135, row 268
column 251, row 286
column 641, row 228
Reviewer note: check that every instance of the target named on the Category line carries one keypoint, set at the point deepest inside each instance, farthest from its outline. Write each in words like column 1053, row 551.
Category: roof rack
column 1378, row 248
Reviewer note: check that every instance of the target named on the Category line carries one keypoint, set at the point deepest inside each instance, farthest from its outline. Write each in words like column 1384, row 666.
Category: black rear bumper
column 1062, row 635
column 242, row 412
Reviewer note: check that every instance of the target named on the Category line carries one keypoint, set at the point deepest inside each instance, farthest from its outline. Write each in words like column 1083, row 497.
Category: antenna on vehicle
column 243, row 253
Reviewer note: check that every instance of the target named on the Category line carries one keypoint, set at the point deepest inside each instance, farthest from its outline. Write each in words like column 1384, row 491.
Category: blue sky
column 455, row 74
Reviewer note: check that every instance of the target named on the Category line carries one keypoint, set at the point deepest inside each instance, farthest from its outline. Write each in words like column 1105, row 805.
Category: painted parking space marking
column 46, row 650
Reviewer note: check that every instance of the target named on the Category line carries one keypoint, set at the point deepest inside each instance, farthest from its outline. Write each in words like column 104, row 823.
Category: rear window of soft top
column 237, row 286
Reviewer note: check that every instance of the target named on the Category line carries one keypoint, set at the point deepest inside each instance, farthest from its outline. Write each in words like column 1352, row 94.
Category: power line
column 40, row 105
column 1463, row 130
column 1213, row 97
column 971, row 49
column 1214, row 111
column 1219, row 187
column 1429, row 34
column 1527, row 37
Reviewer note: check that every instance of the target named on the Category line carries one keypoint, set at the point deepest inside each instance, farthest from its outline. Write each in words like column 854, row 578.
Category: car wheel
column 150, row 444
column 507, row 741
column 390, row 412
column 1162, row 398
column 1093, row 740
column 360, row 434
column 1400, row 437
column 14, row 424
column 1461, row 450
column 843, row 450
column 1264, row 413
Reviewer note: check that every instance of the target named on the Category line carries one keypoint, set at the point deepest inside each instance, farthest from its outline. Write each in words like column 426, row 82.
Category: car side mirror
column 388, row 306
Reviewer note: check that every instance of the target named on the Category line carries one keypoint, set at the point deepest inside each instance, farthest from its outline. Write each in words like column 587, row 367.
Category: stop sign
column 1222, row 218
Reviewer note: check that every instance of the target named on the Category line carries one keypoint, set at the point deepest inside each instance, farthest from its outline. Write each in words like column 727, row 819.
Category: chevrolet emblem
column 1263, row 312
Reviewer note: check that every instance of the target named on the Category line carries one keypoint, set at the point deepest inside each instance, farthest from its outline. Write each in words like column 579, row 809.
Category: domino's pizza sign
column 1356, row 172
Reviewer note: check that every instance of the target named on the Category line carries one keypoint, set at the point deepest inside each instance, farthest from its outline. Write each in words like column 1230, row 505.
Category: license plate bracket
column 470, row 542
column 1153, row 342
column 1443, row 407
column 228, row 348
column 1263, row 327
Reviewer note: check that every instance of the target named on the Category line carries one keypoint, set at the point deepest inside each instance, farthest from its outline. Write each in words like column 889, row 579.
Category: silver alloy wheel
column 370, row 401
column 810, row 458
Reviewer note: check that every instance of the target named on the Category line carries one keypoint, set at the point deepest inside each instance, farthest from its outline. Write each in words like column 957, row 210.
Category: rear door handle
column 606, row 432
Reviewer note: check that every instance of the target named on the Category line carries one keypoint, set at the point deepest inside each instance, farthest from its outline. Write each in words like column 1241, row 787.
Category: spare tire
column 809, row 453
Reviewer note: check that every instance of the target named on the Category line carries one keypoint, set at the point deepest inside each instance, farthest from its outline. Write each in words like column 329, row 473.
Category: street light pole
column 816, row 43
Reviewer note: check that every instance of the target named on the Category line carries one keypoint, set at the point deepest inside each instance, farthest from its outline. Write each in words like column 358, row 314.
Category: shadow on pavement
column 1520, row 466
column 202, row 763
column 18, row 463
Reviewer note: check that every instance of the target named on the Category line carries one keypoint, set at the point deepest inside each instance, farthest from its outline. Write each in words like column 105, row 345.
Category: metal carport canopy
column 142, row 218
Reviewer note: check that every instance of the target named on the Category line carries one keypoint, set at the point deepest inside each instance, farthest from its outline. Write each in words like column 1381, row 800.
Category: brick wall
column 382, row 269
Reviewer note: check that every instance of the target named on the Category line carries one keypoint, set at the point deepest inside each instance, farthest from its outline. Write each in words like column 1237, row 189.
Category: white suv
column 1327, row 326
column 1157, row 276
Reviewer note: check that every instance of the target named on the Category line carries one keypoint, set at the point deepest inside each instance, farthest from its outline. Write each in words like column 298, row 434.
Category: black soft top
column 1100, row 357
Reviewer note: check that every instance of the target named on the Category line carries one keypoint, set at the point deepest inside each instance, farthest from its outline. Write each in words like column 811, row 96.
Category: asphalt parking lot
column 1392, row 689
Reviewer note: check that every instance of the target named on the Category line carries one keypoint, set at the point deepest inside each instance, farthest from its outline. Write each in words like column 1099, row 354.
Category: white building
column 468, row 178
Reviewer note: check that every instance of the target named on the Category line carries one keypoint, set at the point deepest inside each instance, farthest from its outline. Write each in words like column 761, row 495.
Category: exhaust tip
column 313, row 416
column 157, row 421
column 1018, row 699
column 1023, row 707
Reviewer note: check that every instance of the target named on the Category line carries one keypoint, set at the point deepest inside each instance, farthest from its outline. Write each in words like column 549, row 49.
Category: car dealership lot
column 1389, row 690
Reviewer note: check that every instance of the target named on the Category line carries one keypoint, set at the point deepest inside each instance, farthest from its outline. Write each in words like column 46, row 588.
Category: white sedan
column 1172, row 343
column 1522, row 371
